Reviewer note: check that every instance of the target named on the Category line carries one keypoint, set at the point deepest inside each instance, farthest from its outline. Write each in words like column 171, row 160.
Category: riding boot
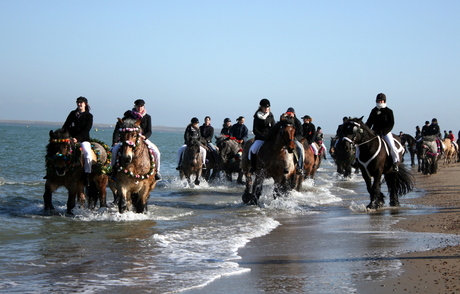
column 86, row 179
column 253, row 163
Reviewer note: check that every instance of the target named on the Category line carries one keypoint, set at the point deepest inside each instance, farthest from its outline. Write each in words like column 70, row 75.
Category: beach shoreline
column 434, row 271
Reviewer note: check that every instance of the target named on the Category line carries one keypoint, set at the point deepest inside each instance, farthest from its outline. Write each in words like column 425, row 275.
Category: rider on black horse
column 381, row 121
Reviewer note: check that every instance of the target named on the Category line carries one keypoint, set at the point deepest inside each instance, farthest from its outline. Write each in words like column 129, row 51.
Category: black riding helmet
column 194, row 120
column 264, row 102
column 381, row 96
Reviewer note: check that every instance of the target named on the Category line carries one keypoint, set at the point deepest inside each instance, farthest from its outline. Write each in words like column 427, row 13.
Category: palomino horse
column 411, row 147
column 230, row 151
column 430, row 151
column 275, row 159
column 373, row 156
column 344, row 154
column 191, row 163
column 450, row 152
column 64, row 167
column 134, row 167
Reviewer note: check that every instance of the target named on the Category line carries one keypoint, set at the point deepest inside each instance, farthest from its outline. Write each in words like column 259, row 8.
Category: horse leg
column 48, row 195
column 391, row 180
column 141, row 201
column 122, row 202
column 248, row 196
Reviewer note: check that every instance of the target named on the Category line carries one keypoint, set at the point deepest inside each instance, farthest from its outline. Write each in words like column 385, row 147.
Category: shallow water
column 190, row 235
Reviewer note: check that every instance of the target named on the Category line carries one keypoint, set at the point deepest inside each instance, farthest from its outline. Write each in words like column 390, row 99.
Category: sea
column 190, row 236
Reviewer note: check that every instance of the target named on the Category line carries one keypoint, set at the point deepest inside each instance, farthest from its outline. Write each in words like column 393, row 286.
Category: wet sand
column 278, row 265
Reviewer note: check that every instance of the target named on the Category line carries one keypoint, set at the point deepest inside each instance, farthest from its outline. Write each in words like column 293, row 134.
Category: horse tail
column 402, row 183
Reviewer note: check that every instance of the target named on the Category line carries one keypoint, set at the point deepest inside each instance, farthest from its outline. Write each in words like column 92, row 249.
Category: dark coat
column 225, row 131
column 239, row 131
column 79, row 126
column 191, row 134
column 207, row 133
column 309, row 132
column 433, row 130
column 381, row 120
column 261, row 127
column 298, row 129
column 146, row 126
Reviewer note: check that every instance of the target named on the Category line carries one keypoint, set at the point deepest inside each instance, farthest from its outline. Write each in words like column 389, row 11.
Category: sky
column 327, row 59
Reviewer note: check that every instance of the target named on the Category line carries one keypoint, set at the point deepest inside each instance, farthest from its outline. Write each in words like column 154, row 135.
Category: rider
column 263, row 121
column 79, row 123
column 381, row 121
column 308, row 129
column 339, row 132
column 239, row 130
column 207, row 134
column 418, row 133
column 425, row 128
column 226, row 127
column 290, row 113
column 191, row 134
column 140, row 113
column 435, row 130
column 319, row 136
column 452, row 139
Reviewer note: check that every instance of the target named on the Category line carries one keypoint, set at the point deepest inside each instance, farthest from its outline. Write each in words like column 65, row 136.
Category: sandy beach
column 434, row 271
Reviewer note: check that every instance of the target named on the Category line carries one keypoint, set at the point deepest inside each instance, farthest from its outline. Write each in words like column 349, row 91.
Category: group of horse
column 276, row 159
column 134, row 169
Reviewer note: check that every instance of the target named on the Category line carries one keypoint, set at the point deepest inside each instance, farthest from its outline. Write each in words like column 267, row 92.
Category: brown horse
column 191, row 163
column 275, row 159
column 374, row 161
column 230, row 151
column 64, row 167
column 134, row 167
column 311, row 161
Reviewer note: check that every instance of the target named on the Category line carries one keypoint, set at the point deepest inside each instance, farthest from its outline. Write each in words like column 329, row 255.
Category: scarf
column 381, row 105
column 138, row 115
column 262, row 115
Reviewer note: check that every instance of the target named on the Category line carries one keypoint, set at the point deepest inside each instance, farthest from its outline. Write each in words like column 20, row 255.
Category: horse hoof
column 197, row 183
column 249, row 199
column 394, row 203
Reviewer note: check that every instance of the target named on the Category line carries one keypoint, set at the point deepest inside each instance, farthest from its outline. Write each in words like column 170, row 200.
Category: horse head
column 130, row 138
column 61, row 153
column 287, row 132
column 356, row 130
column 193, row 153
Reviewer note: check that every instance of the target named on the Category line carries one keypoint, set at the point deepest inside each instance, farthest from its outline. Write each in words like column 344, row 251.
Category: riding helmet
column 226, row 120
column 381, row 96
column 139, row 102
column 82, row 99
column 264, row 102
column 194, row 120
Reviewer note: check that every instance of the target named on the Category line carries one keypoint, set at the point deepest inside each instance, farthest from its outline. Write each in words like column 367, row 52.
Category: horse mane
column 61, row 134
column 131, row 123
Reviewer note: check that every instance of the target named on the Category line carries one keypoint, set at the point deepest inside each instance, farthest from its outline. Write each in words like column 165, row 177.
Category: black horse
column 411, row 143
column 343, row 152
column 374, row 161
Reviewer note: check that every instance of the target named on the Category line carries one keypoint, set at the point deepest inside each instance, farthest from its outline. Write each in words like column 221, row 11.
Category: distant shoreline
column 96, row 125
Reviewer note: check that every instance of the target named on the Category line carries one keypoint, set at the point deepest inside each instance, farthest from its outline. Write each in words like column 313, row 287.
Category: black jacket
column 309, row 132
column 207, row 133
column 381, row 120
column 79, row 126
column 261, row 127
column 433, row 130
column 146, row 126
column 239, row 131
column 191, row 134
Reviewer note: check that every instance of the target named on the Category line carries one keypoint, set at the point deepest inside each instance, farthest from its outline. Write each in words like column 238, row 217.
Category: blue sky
column 328, row 59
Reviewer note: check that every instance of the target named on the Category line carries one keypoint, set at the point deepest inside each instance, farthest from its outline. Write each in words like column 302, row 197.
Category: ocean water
column 189, row 237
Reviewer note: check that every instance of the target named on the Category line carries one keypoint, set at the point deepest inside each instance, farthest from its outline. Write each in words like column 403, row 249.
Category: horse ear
column 51, row 133
column 119, row 120
column 361, row 118
column 138, row 123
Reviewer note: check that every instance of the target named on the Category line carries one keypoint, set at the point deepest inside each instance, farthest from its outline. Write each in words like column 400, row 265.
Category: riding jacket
column 309, row 132
column 433, row 129
column 261, row 126
column 207, row 133
column 239, row 131
column 191, row 134
column 79, row 125
column 381, row 120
